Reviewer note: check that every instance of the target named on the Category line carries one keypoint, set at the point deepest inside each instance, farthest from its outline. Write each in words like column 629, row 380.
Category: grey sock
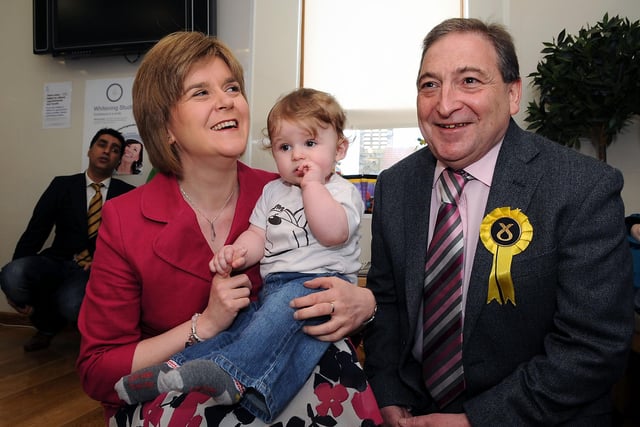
column 204, row 376
column 142, row 385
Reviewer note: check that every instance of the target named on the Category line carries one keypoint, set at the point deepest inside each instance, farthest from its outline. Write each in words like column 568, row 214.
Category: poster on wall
column 56, row 106
column 108, row 105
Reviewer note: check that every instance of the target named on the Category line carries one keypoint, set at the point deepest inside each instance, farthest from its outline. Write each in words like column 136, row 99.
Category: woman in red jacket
column 150, row 289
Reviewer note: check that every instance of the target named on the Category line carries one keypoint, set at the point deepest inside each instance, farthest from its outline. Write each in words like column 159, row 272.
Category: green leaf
column 587, row 81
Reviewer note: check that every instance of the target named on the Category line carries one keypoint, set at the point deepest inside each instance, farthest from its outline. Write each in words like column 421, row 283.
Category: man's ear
column 515, row 94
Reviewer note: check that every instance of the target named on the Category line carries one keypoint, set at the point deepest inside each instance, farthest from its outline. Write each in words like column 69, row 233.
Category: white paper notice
column 56, row 107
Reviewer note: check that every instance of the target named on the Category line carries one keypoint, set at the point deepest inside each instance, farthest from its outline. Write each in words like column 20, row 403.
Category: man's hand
column 392, row 414
column 347, row 304
column 26, row 310
column 436, row 420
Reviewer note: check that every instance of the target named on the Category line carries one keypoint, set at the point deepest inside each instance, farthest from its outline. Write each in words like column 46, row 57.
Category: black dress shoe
column 38, row 342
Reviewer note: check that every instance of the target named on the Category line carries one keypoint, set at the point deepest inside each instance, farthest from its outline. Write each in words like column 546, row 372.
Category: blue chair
column 631, row 220
column 635, row 255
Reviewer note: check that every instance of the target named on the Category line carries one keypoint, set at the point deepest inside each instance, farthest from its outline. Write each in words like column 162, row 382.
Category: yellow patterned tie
column 94, row 218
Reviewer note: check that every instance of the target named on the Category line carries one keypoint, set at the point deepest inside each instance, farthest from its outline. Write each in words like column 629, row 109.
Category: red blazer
column 150, row 273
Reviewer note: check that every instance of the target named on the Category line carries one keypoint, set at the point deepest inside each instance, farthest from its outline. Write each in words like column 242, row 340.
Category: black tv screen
column 113, row 27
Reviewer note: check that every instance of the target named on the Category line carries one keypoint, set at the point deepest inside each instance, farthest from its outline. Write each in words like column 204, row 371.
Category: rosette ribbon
column 505, row 232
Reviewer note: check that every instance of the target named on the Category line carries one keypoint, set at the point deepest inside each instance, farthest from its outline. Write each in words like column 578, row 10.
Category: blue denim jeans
column 54, row 287
column 265, row 348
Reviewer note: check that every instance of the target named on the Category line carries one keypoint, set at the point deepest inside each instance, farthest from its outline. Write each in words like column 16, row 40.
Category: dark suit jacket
column 554, row 356
column 63, row 205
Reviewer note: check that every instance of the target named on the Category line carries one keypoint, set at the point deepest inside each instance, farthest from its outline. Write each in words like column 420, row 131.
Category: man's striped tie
column 442, row 313
column 94, row 218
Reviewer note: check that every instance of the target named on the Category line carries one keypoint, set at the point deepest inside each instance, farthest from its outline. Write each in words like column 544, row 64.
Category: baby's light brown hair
column 310, row 108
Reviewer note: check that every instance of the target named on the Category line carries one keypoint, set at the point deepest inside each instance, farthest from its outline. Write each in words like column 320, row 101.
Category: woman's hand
column 227, row 297
column 348, row 305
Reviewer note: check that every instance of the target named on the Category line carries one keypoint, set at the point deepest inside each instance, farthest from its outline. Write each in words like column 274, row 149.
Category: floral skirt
column 335, row 394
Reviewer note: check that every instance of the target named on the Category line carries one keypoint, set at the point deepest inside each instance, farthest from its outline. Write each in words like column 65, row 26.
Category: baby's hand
column 310, row 172
column 228, row 258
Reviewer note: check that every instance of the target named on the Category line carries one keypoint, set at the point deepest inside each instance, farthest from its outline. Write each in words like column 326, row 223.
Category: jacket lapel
column 179, row 242
column 115, row 189
column 514, row 182
column 80, row 201
column 416, row 199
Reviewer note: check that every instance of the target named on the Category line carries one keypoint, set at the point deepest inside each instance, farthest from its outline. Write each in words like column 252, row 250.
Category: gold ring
column 333, row 308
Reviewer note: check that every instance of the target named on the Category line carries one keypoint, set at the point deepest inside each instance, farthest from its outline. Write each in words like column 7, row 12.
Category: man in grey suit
column 546, row 272
column 49, row 285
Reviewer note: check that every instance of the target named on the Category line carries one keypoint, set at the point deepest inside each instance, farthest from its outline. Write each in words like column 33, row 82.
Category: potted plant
column 588, row 84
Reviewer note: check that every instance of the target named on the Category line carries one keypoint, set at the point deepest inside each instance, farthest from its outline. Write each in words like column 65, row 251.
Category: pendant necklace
column 210, row 221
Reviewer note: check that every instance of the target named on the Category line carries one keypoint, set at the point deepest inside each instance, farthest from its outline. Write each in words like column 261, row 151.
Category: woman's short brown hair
column 158, row 86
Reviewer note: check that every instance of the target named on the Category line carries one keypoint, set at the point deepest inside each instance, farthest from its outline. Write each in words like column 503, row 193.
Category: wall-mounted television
column 77, row 28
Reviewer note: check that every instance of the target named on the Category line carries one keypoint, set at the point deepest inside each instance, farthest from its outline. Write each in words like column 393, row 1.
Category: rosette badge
column 505, row 232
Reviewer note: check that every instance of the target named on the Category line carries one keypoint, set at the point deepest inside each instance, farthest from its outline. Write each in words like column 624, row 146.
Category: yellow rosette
column 505, row 232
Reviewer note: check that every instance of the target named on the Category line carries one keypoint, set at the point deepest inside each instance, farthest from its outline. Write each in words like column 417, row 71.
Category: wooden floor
column 42, row 388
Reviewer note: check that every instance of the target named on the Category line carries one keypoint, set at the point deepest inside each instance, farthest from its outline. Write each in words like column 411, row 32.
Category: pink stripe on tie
column 442, row 305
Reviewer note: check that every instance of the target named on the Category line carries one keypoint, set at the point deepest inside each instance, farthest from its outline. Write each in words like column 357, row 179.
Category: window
column 372, row 150
column 366, row 53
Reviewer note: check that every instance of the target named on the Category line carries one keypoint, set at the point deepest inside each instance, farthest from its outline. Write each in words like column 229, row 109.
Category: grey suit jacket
column 554, row 356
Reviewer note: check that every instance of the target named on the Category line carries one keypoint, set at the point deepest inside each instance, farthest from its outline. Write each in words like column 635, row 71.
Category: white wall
column 275, row 66
column 532, row 23
column 264, row 34
column 31, row 156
